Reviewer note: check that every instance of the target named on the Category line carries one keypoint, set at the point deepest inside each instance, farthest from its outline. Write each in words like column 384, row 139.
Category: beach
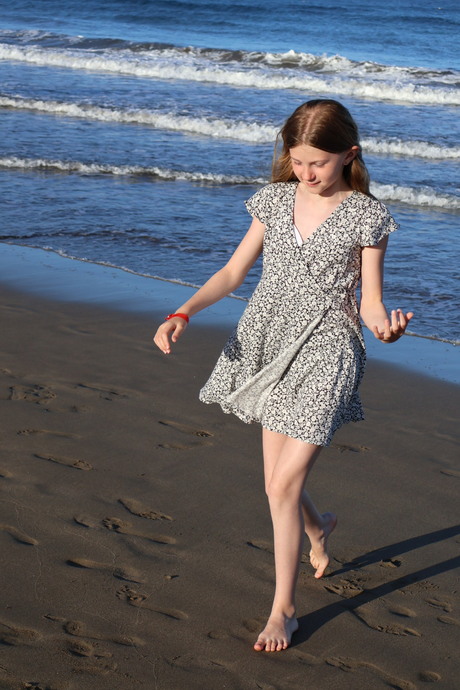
column 136, row 537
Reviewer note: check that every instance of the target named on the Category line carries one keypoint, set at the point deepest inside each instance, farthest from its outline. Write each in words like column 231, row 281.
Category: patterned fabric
column 296, row 358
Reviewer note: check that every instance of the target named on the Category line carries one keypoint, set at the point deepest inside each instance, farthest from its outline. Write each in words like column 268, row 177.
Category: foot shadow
column 387, row 552
column 313, row 621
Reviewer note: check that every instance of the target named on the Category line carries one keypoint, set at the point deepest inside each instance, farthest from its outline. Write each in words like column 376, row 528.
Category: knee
column 279, row 491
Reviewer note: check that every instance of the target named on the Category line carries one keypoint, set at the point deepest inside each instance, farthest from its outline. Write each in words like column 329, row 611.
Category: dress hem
column 248, row 419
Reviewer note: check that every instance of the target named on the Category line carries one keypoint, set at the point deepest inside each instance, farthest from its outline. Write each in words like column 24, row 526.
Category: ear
column 351, row 155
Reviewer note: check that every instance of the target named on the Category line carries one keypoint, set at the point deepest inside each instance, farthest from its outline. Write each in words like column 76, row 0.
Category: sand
column 135, row 534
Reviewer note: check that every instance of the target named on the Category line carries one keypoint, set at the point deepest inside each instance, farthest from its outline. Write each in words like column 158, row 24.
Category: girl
column 296, row 357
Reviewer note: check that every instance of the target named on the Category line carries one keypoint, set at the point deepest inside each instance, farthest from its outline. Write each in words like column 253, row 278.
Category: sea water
column 132, row 131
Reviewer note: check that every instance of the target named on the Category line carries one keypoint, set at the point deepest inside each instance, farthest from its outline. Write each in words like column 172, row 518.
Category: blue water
column 132, row 131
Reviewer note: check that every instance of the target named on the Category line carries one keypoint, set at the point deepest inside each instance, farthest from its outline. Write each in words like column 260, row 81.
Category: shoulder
column 265, row 202
column 277, row 189
column 374, row 220
column 370, row 205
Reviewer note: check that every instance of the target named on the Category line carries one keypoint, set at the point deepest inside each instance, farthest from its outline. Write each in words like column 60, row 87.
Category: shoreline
column 136, row 539
column 46, row 273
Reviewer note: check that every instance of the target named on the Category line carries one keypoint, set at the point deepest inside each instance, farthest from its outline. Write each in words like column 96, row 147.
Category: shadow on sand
column 311, row 622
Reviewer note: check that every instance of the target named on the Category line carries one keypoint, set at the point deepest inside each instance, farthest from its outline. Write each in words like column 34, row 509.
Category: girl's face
column 321, row 172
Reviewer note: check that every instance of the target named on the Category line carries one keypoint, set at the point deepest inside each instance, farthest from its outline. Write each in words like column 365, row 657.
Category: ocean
column 132, row 131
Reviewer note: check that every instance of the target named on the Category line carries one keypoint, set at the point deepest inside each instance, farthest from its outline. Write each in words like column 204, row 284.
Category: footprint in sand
column 371, row 620
column 440, row 604
column 451, row 473
column 78, row 629
column 48, row 432
column 81, row 648
column 67, row 462
column 342, row 447
column 350, row 665
column 429, row 676
column 391, row 563
column 218, row 634
column 122, row 527
column 346, row 589
column 15, row 637
column 189, row 431
column 179, row 446
column 402, row 611
column 308, row 659
column 448, row 620
column 104, row 393
column 136, row 508
column 128, row 574
column 134, row 598
column 86, row 521
column 19, row 536
column 35, row 393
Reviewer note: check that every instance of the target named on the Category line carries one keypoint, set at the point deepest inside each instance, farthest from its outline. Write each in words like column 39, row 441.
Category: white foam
column 415, row 197
column 17, row 163
column 217, row 128
column 159, row 65
column 386, row 192
column 210, row 127
column 410, row 149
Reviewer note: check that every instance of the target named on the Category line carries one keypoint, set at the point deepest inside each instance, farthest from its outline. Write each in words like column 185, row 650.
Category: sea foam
column 164, row 65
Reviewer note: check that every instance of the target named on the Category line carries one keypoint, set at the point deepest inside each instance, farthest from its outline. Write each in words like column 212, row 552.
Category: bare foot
column 277, row 634
column 319, row 556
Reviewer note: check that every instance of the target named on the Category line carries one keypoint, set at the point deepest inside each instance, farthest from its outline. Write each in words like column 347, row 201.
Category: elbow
column 233, row 278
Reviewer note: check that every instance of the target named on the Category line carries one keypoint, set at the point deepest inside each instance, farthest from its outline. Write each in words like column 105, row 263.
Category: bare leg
column 287, row 463
column 318, row 528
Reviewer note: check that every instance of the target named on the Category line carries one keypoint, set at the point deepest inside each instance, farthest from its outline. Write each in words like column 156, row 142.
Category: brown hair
column 327, row 125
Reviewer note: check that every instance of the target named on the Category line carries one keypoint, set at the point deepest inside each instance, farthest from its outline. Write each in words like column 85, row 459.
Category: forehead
column 309, row 153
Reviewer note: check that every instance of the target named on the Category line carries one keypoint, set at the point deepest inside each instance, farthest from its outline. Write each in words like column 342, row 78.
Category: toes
column 321, row 569
column 260, row 645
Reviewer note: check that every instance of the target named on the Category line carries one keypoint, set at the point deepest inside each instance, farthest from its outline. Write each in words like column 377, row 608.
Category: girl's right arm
column 222, row 283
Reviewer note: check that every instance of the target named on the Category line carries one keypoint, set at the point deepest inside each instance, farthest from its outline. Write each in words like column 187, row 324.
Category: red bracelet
column 181, row 316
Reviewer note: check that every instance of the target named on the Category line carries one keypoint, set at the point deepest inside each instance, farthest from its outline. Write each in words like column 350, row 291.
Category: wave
column 195, row 65
column 167, row 174
column 210, row 127
column 288, row 59
column 424, row 197
column 413, row 196
column 410, row 149
column 250, row 132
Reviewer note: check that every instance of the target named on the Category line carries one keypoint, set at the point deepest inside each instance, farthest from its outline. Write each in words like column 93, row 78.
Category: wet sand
column 135, row 534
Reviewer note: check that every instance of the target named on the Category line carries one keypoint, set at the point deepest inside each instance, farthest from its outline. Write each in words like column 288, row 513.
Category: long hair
column 327, row 125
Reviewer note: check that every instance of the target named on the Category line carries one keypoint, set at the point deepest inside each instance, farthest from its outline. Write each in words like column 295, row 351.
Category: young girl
column 296, row 357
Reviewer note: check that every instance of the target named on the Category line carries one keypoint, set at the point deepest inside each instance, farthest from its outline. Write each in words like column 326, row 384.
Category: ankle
column 283, row 611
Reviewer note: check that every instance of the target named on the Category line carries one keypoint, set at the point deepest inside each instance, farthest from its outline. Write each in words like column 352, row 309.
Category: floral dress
column 296, row 358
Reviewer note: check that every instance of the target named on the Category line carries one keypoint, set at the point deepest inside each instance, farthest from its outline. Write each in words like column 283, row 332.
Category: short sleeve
column 261, row 203
column 376, row 225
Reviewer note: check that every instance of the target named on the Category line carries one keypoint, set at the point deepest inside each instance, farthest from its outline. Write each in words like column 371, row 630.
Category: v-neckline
column 315, row 231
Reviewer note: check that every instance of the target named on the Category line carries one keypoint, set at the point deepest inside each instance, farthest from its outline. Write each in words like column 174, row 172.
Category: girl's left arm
column 372, row 309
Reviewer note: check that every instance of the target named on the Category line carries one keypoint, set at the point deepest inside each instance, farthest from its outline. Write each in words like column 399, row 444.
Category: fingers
column 173, row 328
column 394, row 327
column 400, row 321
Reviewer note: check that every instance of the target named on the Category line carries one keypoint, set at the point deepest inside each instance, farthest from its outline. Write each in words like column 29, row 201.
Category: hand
column 174, row 327
column 395, row 328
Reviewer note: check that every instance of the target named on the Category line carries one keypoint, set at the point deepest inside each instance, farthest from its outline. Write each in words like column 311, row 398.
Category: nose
column 308, row 175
